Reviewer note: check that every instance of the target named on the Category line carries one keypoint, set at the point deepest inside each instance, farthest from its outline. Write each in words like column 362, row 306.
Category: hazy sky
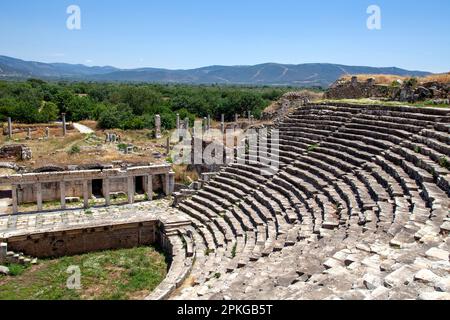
column 194, row 33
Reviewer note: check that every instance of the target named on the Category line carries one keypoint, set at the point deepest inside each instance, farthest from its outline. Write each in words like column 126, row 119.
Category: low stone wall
column 84, row 240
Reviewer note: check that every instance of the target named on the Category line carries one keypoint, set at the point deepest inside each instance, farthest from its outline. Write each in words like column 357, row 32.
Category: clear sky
column 415, row 34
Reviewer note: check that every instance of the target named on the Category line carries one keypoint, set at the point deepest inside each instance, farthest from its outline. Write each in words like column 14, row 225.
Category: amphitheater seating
column 355, row 171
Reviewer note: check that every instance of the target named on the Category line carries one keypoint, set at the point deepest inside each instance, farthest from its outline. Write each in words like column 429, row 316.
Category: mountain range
column 301, row 75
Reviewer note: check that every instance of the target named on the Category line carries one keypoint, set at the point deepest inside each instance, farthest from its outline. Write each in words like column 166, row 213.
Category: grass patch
column 108, row 275
column 16, row 269
column 74, row 150
column 233, row 251
column 312, row 147
column 444, row 163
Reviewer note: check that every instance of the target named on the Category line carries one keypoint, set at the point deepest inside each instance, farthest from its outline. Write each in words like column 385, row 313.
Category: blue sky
column 193, row 33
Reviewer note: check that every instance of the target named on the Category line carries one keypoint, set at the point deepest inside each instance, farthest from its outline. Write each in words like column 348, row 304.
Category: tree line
column 128, row 106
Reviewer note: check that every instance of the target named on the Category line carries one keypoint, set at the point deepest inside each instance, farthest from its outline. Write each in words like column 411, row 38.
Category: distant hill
column 301, row 75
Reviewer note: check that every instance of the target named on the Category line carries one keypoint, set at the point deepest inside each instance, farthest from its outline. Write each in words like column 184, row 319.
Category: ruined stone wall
column 405, row 92
column 15, row 151
column 79, row 241
column 359, row 90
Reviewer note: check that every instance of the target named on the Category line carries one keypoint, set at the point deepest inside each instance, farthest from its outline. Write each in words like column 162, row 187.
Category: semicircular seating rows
column 353, row 181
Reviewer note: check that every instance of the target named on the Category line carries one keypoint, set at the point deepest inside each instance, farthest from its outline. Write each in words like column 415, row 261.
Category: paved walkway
column 57, row 220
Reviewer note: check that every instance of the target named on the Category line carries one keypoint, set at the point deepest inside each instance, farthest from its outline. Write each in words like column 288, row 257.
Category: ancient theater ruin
column 358, row 209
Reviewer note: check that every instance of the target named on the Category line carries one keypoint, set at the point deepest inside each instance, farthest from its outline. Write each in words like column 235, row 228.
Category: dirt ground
column 77, row 148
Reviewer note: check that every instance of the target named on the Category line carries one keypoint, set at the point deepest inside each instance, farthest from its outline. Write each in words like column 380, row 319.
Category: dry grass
column 379, row 78
column 442, row 78
column 387, row 79
column 183, row 176
column 93, row 149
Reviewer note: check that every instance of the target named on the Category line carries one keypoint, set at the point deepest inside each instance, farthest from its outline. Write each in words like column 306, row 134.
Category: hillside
column 301, row 75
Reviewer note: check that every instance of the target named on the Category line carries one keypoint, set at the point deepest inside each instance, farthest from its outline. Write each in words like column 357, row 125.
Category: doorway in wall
column 97, row 188
column 139, row 185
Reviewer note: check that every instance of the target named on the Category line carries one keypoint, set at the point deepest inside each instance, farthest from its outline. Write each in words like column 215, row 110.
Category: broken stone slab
column 351, row 258
column 386, row 265
column 363, row 247
column 402, row 276
column 380, row 293
column 371, row 281
column 426, row 276
column 443, row 285
column 445, row 227
column 438, row 254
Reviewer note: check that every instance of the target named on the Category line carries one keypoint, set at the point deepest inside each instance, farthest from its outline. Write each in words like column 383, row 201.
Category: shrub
column 444, row 163
column 74, row 150
column 411, row 82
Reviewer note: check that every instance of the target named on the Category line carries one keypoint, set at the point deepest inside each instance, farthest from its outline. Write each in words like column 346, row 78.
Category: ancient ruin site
column 203, row 154
column 335, row 201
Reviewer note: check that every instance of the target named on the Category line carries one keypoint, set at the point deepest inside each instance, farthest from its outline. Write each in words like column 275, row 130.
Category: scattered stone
column 372, row 281
column 426, row 276
column 401, row 276
column 443, row 285
column 4, row 270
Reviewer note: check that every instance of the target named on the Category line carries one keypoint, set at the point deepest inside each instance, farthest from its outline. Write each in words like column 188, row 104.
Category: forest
column 128, row 106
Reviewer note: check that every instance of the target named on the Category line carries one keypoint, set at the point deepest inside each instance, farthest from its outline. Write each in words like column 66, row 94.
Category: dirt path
column 82, row 128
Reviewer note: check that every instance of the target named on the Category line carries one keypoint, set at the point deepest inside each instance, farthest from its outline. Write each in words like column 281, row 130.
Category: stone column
column 106, row 191
column 205, row 124
column 3, row 252
column 158, row 126
column 249, row 116
column 168, row 146
column 10, row 128
column 64, row 127
column 252, row 118
column 15, row 206
column 39, row 196
column 47, row 132
column 209, row 122
column 62, row 188
column 29, row 134
column 130, row 183
column 171, row 182
column 178, row 121
column 85, row 194
column 150, row 187
column 167, row 184
column 222, row 123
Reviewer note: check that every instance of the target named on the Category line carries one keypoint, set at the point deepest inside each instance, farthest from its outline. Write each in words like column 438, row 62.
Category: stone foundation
column 84, row 240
